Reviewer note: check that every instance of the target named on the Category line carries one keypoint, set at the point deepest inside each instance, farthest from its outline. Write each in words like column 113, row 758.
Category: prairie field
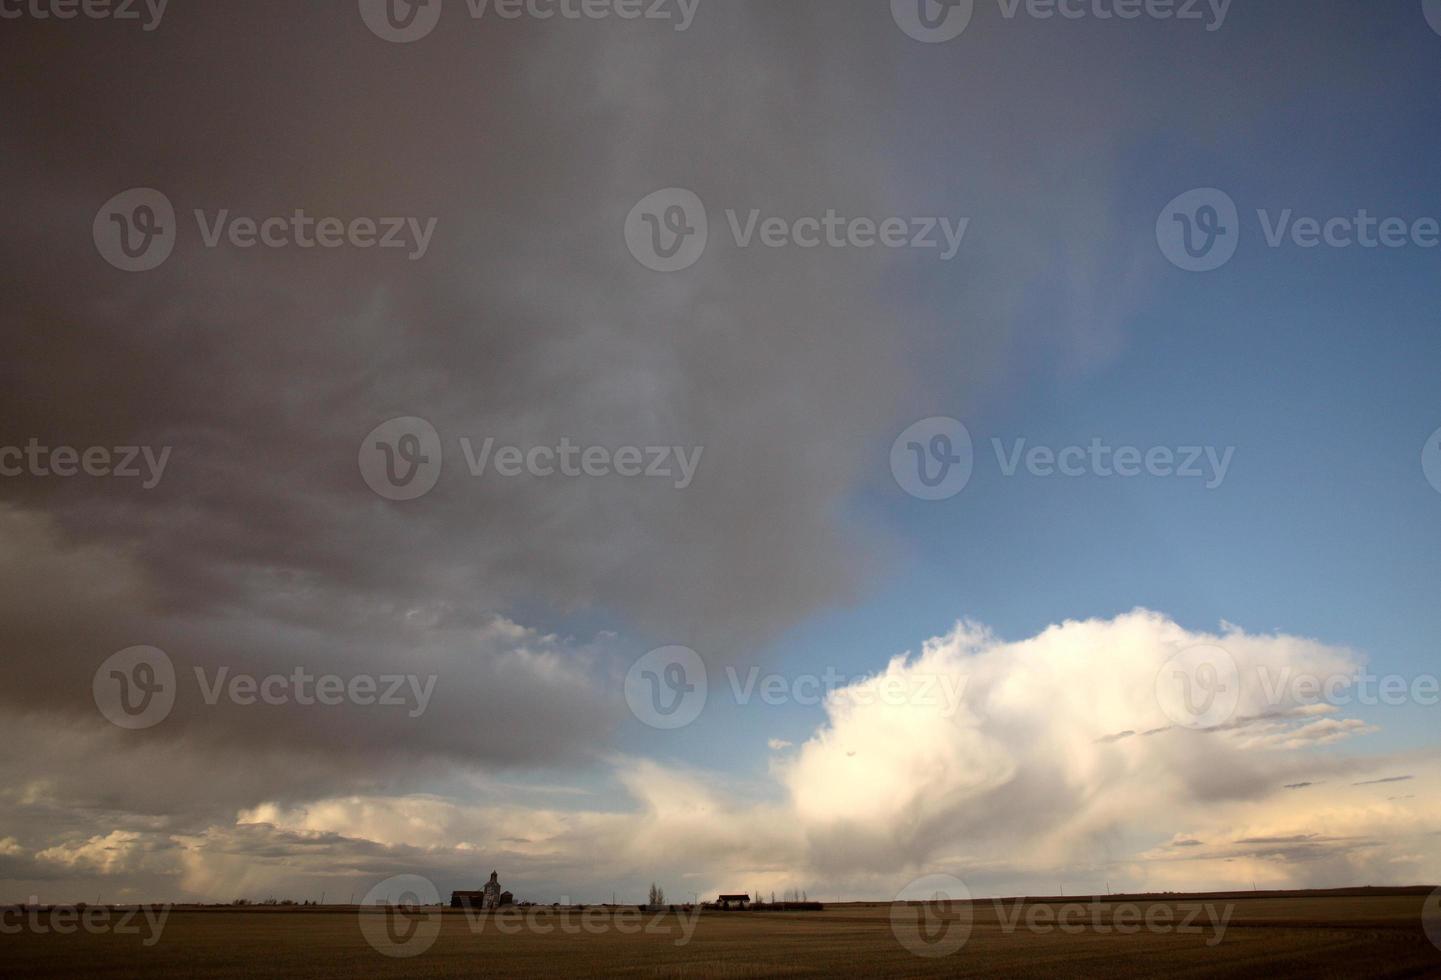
column 1372, row 935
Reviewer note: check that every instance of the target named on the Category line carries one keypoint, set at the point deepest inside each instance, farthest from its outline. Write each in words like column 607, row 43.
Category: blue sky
column 274, row 371
column 1320, row 367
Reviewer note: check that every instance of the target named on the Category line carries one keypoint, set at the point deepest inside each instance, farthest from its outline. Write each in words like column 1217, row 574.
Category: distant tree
column 654, row 895
column 773, row 896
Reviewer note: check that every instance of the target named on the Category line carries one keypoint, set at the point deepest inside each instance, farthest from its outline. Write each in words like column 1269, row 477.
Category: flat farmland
column 1378, row 935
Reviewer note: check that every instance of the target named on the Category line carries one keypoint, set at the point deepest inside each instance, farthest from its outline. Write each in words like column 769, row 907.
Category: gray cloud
column 262, row 549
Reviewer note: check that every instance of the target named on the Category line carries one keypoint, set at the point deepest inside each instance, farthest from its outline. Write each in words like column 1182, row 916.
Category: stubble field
column 1379, row 935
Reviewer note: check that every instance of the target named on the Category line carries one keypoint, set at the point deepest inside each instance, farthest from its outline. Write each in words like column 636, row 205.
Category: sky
column 876, row 603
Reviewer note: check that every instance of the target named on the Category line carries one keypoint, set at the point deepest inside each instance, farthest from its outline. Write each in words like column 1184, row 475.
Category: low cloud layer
column 1012, row 791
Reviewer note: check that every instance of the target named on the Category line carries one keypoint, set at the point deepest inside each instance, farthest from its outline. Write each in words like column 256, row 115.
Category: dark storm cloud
column 527, row 320
column 262, row 549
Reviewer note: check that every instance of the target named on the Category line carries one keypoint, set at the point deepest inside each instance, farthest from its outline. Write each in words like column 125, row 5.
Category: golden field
column 1374, row 935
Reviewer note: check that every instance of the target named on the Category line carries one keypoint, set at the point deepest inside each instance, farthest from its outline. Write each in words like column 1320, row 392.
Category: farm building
column 489, row 897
